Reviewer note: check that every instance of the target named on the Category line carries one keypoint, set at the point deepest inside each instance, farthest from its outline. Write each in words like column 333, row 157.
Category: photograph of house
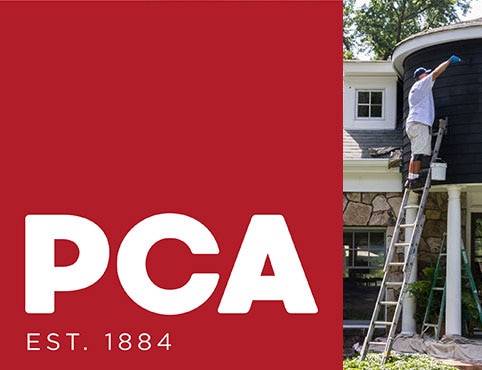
column 376, row 154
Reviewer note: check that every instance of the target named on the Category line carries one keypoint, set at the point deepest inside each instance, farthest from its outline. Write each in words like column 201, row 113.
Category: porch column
column 408, row 322
column 453, row 307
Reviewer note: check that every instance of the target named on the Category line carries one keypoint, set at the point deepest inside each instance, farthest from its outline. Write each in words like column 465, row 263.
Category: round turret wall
column 458, row 96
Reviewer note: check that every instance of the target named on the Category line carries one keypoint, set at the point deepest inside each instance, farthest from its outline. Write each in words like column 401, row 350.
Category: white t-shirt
column 420, row 102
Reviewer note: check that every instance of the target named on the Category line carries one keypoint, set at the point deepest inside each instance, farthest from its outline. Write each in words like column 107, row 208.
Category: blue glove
column 454, row 59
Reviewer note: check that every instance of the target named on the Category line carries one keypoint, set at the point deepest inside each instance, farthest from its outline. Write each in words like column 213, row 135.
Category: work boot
column 413, row 184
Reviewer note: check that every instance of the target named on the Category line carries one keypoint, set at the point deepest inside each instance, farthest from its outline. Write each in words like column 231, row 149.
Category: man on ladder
column 420, row 118
column 418, row 127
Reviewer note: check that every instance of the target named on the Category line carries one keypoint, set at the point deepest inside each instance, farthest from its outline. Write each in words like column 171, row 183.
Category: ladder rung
column 396, row 264
column 407, row 225
column 431, row 325
column 377, row 343
column 386, row 323
column 438, row 288
column 411, row 207
column 402, row 244
column 389, row 303
column 394, row 283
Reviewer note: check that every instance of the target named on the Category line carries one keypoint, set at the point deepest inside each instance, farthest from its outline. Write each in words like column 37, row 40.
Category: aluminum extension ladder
column 392, row 266
column 439, row 285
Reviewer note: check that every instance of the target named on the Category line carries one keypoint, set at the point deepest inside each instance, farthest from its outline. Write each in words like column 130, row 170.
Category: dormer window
column 369, row 95
column 369, row 104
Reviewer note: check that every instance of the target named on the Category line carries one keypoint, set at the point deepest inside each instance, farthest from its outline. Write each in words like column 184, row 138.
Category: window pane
column 363, row 97
column 361, row 281
column 376, row 111
column 377, row 249
column 376, row 97
column 478, row 228
column 363, row 111
column 361, row 239
column 347, row 238
column 361, row 245
column 478, row 240
column 477, row 248
column 347, row 250
column 377, row 239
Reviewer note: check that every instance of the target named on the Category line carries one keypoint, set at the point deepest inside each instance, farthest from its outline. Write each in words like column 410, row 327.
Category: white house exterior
column 372, row 190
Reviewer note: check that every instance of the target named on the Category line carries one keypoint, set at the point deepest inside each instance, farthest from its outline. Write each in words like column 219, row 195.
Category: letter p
column 42, row 277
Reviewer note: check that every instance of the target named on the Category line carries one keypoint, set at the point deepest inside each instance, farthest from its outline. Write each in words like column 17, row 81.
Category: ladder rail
column 386, row 268
column 407, row 269
column 416, row 234
column 473, row 287
column 411, row 251
column 396, row 231
column 438, row 142
column 433, row 288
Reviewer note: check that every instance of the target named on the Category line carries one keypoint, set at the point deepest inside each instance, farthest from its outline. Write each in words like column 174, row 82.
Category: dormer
column 369, row 95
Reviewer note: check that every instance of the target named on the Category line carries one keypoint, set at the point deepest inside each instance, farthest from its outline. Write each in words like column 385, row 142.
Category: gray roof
column 356, row 143
column 477, row 22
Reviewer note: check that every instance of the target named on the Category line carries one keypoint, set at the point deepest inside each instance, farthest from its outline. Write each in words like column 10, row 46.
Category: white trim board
column 370, row 175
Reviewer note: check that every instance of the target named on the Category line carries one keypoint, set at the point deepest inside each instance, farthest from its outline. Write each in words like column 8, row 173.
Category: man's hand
column 454, row 59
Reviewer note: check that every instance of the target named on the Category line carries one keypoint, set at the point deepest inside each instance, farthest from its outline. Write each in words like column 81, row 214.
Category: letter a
column 267, row 235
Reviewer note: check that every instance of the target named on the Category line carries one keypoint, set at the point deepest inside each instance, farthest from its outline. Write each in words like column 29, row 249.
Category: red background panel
column 217, row 110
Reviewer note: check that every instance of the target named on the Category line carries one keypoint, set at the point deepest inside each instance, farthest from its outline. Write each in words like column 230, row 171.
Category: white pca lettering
column 266, row 236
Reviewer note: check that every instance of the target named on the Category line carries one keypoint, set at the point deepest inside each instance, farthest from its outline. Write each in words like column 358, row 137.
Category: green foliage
column 469, row 306
column 348, row 55
column 380, row 24
column 420, row 289
column 349, row 33
column 395, row 362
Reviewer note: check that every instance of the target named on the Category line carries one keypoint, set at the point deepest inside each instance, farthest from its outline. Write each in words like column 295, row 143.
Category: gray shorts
column 420, row 138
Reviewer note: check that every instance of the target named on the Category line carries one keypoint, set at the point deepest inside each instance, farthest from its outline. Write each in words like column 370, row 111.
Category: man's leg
column 420, row 138
column 414, row 166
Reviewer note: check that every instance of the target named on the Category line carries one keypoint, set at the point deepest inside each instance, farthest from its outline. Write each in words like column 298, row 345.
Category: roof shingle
column 357, row 142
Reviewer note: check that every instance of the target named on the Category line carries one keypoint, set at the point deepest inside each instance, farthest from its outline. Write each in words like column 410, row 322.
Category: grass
column 395, row 362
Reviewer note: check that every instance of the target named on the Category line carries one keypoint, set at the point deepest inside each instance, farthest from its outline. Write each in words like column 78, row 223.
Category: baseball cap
column 420, row 71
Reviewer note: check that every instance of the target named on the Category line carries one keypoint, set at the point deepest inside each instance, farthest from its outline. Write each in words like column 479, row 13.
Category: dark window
column 476, row 260
column 364, row 257
column 369, row 104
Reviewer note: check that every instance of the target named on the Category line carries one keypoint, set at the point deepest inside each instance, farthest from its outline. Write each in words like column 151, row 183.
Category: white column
column 408, row 322
column 453, row 307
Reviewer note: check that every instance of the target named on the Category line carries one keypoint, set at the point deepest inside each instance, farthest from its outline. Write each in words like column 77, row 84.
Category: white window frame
column 369, row 118
column 352, row 323
column 365, row 230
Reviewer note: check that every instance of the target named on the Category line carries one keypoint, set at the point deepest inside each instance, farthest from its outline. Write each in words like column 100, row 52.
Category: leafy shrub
column 420, row 289
column 395, row 362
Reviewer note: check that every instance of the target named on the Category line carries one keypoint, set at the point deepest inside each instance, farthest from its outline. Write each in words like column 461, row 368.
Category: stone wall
column 381, row 210
column 371, row 210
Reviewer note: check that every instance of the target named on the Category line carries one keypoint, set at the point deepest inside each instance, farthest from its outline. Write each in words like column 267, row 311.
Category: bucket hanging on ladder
column 439, row 169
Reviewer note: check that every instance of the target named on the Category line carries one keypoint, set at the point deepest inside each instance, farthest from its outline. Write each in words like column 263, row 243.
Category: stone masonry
column 381, row 210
